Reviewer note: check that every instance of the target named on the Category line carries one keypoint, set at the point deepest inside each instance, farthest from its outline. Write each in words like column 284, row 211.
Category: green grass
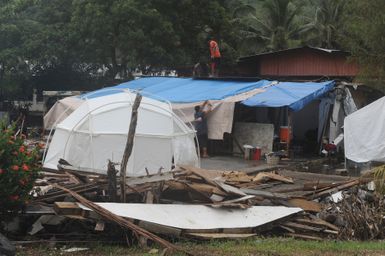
column 257, row 246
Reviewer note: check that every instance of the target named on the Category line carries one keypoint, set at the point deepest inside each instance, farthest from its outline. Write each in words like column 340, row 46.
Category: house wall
column 306, row 62
column 255, row 134
column 301, row 62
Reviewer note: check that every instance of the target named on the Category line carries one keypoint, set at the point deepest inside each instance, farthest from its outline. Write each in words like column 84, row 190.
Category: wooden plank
column 110, row 216
column 67, row 208
column 264, row 176
column 336, row 189
column 229, row 189
column 160, row 229
column 265, row 194
column 240, row 199
column 302, row 226
column 287, row 228
column 306, row 205
column 130, row 181
column 318, row 222
column 309, row 228
column 207, row 175
column 206, row 189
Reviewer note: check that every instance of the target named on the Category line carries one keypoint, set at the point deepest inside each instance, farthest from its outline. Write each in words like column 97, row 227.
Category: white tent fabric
column 60, row 111
column 97, row 131
column 364, row 133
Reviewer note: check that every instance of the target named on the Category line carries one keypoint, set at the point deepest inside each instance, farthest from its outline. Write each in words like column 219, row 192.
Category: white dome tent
column 97, row 131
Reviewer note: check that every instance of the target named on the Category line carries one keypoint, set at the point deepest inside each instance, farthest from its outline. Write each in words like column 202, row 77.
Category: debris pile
column 208, row 204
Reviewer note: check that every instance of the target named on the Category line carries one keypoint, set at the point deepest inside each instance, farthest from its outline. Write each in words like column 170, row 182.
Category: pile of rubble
column 207, row 204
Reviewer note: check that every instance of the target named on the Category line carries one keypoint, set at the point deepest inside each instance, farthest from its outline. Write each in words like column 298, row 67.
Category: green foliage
column 327, row 25
column 273, row 25
column 365, row 28
column 18, row 170
column 80, row 44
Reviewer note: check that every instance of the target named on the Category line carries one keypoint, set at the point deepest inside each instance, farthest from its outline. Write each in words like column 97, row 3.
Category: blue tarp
column 188, row 90
column 293, row 95
column 183, row 90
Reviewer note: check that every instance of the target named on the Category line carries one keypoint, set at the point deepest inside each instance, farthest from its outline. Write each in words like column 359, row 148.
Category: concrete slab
column 227, row 163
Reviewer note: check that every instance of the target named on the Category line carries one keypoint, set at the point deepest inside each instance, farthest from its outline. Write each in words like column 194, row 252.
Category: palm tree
column 274, row 24
column 328, row 22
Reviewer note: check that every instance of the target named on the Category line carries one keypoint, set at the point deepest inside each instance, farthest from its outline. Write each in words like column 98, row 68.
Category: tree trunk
column 129, row 146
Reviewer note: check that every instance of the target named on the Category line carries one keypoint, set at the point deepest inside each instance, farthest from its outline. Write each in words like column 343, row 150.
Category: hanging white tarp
column 364, row 133
column 61, row 110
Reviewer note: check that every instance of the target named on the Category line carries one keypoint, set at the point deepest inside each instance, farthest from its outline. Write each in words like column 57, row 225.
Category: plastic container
column 257, row 154
column 272, row 160
column 248, row 152
column 284, row 134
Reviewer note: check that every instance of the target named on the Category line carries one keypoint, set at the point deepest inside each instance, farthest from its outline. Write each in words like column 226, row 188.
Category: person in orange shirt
column 215, row 55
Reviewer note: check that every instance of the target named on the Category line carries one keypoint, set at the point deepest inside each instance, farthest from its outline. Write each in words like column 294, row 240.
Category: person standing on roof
column 200, row 123
column 215, row 55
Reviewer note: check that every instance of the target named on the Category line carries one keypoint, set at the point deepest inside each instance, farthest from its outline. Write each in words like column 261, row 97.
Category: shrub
column 18, row 170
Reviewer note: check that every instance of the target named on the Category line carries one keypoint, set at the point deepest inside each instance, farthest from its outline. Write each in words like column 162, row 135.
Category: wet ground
column 234, row 163
column 312, row 165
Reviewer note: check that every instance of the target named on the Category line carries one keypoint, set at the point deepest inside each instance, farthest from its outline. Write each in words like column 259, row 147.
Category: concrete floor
column 233, row 163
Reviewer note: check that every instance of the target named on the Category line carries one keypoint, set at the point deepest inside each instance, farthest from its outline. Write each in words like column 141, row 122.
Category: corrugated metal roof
column 293, row 49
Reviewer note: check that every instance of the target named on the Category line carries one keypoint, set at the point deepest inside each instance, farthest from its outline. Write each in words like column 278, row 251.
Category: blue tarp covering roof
column 293, row 95
column 183, row 90
column 188, row 90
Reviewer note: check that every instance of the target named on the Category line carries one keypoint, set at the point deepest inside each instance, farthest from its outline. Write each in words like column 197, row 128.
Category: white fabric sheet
column 364, row 133
column 61, row 110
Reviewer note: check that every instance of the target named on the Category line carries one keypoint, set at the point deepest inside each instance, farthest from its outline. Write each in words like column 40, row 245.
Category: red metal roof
column 304, row 61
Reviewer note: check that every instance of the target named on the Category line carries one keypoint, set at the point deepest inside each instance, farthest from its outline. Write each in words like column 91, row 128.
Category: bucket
column 284, row 134
column 257, row 154
column 272, row 160
column 248, row 149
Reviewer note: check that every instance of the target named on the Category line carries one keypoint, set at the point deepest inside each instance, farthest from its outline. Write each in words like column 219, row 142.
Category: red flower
column 22, row 149
column 15, row 153
column 15, row 167
column 2, row 171
column 25, row 167
column 14, row 197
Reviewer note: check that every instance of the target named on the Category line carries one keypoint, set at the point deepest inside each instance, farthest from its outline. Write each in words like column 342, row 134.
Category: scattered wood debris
column 312, row 209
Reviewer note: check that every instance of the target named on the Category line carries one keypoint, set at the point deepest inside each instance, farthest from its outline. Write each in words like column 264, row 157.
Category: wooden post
column 112, row 187
column 129, row 146
column 289, row 125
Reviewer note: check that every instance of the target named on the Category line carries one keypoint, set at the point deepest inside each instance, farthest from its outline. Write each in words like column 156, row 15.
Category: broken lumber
column 106, row 214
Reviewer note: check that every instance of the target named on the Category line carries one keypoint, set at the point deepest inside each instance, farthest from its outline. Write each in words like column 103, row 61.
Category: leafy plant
column 19, row 169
